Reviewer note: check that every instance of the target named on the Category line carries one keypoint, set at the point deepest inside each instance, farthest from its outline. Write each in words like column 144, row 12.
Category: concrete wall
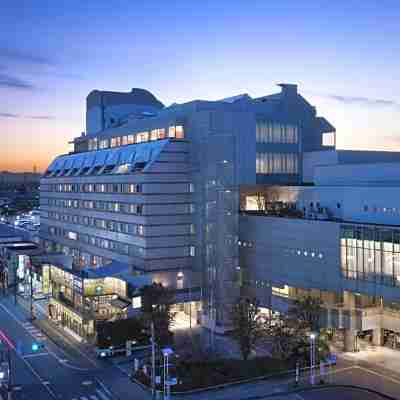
column 293, row 252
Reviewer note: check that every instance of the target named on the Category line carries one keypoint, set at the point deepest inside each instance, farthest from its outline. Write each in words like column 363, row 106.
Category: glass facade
column 277, row 163
column 272, row 132
column 371, row 254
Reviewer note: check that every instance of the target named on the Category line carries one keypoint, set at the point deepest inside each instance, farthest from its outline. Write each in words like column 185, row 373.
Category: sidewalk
column 55, row 334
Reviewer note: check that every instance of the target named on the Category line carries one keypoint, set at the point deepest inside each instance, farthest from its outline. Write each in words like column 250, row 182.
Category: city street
column 51, row 373
column 57, row 372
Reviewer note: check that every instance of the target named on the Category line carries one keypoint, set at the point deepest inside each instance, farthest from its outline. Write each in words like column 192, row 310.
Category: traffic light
column 4, row 372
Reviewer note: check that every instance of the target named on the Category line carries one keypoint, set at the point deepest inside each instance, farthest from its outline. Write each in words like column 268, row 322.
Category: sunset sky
column 344, row 55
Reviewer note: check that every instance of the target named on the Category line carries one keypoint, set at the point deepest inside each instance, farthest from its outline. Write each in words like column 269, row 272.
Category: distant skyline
column 344, row 56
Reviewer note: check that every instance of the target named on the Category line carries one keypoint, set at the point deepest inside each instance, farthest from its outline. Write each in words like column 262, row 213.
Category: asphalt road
column 332, row 394
column 52, row 373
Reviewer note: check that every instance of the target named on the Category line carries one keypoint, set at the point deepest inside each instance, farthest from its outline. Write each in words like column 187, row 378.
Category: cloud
column 47, row 117
column 363, row 101
column 13, row 82
column 12, row 115
column 8, row 115
column 22, row 56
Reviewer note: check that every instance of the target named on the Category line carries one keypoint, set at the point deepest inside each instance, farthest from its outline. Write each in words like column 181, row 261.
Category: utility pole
column 31, row 294
column 9, row 387
column 153, row 361
column 15, row 285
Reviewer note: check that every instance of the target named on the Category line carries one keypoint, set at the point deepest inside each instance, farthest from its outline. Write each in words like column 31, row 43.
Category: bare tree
column 247, row 326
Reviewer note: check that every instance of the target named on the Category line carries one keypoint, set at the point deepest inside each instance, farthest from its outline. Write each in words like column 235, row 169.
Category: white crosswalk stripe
column 35, row 332
column 98, row 396
column 102, row 395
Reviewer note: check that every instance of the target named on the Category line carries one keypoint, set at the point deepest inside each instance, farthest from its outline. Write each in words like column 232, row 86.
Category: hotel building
column 221, row 198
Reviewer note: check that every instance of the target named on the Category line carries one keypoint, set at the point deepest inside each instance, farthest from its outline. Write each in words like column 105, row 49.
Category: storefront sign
column 78, row 284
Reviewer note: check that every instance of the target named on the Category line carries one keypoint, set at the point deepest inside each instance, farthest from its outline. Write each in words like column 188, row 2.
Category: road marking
column 102, row 395
column 36, row 355
column 6, row 339
column 103, row 387
column 50, row 352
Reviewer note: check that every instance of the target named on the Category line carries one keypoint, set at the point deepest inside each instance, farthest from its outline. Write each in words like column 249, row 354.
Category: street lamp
column 313, row 337
column 167, row 352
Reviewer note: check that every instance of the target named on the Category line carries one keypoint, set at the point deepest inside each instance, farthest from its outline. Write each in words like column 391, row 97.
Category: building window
column 192, row 251
column 272, row 132
column 179, row 280
column 104, row 144
column 277, row 163
column 171, row 132
column 72, row 235
column 92, row 144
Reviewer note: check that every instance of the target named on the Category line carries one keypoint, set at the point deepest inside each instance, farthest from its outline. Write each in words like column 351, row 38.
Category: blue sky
column 344, row 55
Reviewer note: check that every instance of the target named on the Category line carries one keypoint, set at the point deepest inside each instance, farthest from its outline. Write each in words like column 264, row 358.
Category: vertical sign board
column 78, row 285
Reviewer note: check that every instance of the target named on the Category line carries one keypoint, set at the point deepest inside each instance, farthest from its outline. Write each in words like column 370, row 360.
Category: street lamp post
column 167, row 352
column 31, row 294
column 153, row 361
column 313, row 336
column 9, row 387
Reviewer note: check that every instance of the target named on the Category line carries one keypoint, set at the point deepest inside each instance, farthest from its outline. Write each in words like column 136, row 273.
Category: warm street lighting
column 313, row 336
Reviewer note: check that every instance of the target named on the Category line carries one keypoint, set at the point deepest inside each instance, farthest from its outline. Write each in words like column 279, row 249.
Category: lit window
column 124, row 140
column 72, row 235
column 192, row 251
column 161, row 133
column 136, row 302
column 154, row 134
column 123, row 169
column 142, row 137
column 104, row 144
column 179, row 133
column 171, row 132
column 131, row 139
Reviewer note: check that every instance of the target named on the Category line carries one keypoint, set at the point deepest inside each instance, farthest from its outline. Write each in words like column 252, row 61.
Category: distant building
column 19, row 178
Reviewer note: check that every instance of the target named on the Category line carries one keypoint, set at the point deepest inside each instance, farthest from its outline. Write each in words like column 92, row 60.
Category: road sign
column 128, row 348
column 173, row 381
